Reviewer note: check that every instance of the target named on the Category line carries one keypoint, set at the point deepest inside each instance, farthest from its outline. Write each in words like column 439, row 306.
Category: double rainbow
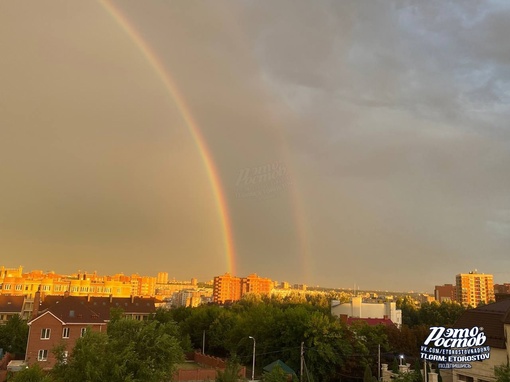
column 190, row 122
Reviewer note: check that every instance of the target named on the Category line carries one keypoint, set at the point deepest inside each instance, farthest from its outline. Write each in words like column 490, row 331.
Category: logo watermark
column 455, row 348
column 262, row 181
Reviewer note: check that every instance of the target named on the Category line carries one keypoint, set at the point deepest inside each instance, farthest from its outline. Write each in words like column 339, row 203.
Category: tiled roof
column 371, row 321
column 74, row 309
column 491, row 318
column 11, row 304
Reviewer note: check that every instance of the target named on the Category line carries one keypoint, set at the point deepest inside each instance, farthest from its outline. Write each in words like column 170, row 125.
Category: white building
column 359, row 309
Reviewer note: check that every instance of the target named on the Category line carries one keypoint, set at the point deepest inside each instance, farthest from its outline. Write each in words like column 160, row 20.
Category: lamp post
column 401, row 359
column 253, row 363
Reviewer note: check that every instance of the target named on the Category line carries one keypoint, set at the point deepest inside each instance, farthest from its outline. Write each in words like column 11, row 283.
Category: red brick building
column 446, row 292
column 61, row 320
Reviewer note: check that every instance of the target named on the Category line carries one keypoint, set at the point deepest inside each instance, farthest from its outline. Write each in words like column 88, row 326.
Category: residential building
column 502, row 288
column 474, row 288
column 494, row 320
column 446, row 292
column 188, row 297
column 162, row 278
column 63, row 319
column 357, row 308
column 13, row 282
column 255, row 284
column 11, row 306
column 226, row 288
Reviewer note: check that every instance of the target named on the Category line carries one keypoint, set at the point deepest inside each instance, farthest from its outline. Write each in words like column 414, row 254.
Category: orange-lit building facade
column 13, row 282
column 474, row 288
column 255, row 284
column 228, row 288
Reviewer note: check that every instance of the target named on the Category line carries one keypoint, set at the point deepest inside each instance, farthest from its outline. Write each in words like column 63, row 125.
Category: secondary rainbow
column 190, row 122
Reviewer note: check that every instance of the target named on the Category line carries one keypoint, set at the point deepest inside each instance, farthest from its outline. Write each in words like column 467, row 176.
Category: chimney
column 37, row 302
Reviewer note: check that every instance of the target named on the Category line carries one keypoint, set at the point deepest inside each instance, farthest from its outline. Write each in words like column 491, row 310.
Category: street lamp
column 401, row 359
column 253, row 363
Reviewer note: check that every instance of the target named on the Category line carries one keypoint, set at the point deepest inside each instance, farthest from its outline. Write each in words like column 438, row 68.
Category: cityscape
column 312, row 191
column 62, row 309
column 469, row 289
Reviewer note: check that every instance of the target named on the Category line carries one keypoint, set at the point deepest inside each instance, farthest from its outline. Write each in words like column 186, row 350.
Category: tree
column 14, row 335
column 31, row 374
column 231, row 372
column 275, row 375
column 130, row 351
column 367, row 375
column 502, row 373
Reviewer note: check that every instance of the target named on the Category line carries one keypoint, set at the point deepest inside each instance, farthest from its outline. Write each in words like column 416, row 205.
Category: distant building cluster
column 18, row 289
column 470, row 289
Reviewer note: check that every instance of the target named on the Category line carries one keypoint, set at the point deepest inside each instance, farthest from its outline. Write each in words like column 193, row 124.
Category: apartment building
column 474, row 288
column 446, row 292
column 63, row 319
column 228, row 288
column 13, row 282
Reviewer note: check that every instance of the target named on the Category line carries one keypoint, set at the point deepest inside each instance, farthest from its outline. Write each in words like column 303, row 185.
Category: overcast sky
column 383, row 125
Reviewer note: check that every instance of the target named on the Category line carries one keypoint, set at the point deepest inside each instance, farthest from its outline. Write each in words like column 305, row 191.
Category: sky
column 346, row 144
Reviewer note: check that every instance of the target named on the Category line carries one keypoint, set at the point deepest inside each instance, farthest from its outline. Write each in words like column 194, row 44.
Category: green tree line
column 133, row 350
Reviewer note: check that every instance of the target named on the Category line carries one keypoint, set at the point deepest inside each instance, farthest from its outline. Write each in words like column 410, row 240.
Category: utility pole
column 302, row 360
column 379, row 362
column 253, row 363
column 203, row 343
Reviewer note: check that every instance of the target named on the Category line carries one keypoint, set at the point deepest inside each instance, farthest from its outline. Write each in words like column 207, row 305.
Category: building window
column 42, row 355
column 19, row 287
column 7, row 286
column 45, row 334
column 65, row 332
column 83, row 331
column 465, row 378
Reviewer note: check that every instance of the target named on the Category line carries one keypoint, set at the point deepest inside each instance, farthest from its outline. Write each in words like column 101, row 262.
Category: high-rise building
column 231, row 288
column 256, row 284
column 226, row 288
column 474, row 288
column 162, row 278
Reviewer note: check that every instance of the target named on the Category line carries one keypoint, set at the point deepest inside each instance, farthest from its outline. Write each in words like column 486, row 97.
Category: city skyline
column 335, row 144
column 164, row 277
